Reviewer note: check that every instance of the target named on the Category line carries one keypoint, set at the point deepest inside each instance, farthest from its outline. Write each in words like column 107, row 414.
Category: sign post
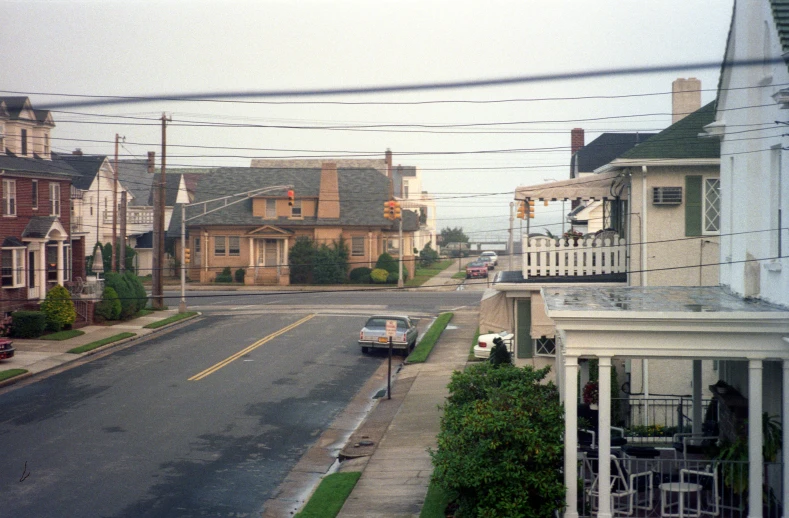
column 391, row 329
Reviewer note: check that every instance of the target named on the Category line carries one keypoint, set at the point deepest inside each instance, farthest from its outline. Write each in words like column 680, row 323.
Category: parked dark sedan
column 6, row 349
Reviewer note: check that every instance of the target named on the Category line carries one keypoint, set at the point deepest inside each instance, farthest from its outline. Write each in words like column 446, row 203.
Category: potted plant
column 573, row 235
column 591, row 394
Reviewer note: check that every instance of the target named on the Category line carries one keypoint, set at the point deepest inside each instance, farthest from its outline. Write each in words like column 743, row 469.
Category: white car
column 492, row 255
column 485, row 343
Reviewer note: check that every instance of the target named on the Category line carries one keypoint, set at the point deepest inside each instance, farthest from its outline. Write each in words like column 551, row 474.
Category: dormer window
column 295, row 210
column 23, row 137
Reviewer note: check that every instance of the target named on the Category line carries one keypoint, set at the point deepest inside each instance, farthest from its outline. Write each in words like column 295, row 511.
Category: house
column 406, row 187
column 742, row 323
column 257, row 231
column 38, row 249
column 136, row 176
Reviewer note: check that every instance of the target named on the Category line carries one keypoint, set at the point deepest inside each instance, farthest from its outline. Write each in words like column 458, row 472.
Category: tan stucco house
column 256, row 233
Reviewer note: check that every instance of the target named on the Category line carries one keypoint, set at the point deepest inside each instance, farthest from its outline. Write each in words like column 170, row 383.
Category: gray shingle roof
column 362, row 196
column 134, row 175
column 604, row 149
column 172, row 182
column 13, row 163
column 86, row 166
column 15, row 104
column 38, row 226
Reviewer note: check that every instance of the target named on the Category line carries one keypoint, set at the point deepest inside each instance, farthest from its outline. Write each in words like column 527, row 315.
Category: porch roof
column 602, row 186
column 666, row 322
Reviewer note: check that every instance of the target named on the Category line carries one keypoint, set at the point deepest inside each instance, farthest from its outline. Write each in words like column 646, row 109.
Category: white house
column 743, row 323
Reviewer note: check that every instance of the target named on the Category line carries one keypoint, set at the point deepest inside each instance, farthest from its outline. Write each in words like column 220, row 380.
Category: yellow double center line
column 239, row 354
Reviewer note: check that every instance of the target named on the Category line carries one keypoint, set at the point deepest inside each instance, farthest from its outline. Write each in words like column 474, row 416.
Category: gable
column 269, row 230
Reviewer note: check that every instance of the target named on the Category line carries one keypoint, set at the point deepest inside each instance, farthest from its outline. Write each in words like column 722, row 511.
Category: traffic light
column 389, row 209
column 397, row 213
column 521, row 210
column 531, row 208
column 291, row 197
column 187, row 255
column 151, row 162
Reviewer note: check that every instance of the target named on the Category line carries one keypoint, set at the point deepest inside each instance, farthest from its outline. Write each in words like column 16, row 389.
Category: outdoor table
column 682, row 489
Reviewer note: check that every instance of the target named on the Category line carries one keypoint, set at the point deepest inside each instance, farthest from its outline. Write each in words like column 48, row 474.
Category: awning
column 604, row 186
column 541, row 325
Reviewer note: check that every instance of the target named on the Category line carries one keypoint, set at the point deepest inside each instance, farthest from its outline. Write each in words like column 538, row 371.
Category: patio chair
column 692, row 444
column 587, row 437
column 626, row 489
column 708, row 480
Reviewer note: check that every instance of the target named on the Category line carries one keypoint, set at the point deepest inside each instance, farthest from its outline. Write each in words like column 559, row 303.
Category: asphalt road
column 165, row 428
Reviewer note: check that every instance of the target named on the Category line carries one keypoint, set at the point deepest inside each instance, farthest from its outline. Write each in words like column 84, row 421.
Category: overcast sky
column 129, row 48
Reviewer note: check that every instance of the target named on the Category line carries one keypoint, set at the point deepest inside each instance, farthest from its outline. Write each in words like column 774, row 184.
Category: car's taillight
column 361, row 335
column 483, row 344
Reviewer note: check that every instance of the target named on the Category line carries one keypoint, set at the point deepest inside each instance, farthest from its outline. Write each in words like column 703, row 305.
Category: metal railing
column 654, row 420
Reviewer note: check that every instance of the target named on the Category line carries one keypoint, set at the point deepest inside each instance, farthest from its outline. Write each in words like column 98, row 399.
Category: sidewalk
column 37, row 355
column 443, row 281
column 396, row 476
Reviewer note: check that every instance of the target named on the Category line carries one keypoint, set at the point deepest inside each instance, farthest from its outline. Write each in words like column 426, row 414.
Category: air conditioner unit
column 666, row 195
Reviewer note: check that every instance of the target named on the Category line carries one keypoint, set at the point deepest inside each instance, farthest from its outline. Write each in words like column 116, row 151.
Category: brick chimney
column 329, row 195
column 685, row 98
column 388, row 163
column 576, row 140
column 77, row 152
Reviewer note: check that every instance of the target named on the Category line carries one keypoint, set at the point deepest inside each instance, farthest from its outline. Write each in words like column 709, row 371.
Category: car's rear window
column 381, row 322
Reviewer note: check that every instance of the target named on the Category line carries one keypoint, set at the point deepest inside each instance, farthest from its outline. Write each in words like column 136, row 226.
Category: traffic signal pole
column 182, row 304
column 400, row 272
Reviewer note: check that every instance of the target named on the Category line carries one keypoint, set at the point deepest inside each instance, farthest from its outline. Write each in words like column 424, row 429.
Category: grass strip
column 471, row 356
column 459, row 275
column 98, row 343
column 63, row 335
column 143, row 312
column 330, row 496
column 422, row 351
column 423, row 274
column 436, row 501
column 170, row 320
column 11, row 373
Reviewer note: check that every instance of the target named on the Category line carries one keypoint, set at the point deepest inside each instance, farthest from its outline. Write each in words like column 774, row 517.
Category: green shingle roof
column 681, row 139
column 781, row 17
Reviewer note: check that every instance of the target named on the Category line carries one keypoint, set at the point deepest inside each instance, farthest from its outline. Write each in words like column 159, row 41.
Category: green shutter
column 525, row 349
column 693, row 216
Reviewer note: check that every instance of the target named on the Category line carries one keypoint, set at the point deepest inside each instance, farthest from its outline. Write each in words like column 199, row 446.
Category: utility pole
column 158, row 284
column 512, row 205
column 400, row 263
column 122, row 239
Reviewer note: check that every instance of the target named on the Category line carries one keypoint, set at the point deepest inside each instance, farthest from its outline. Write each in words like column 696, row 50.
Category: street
column 203, row 421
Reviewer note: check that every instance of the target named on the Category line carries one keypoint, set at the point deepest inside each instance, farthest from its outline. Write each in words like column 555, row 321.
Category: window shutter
column 523, row 333
column 693, row 205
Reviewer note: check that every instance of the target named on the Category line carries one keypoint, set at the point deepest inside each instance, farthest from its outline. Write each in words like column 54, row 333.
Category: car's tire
column 365, row 349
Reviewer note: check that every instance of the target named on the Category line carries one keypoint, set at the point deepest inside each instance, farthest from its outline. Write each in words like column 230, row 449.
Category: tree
column 453, row 235
column 427, row 256
column 301, row 259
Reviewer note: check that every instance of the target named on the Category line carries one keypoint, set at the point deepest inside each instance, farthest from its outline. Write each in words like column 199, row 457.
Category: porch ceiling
column 666, row 322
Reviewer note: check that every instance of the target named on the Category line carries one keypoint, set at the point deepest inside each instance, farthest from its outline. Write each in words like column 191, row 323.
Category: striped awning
column 604, row 186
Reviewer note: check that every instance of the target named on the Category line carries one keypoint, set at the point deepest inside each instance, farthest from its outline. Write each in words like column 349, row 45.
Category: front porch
column 695, row 324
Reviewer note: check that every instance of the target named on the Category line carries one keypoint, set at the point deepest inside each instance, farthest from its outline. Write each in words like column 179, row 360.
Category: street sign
column 391, row 328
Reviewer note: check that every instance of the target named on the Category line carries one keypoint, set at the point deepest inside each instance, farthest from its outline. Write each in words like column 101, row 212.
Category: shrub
column 300, row 259
column 328, row 267
column 225, row 276
column 138, row 289
column 109, row 308
column 28, row 324
column 379, row 276
column 365, row 279
column 130, row 291
column 240, row 274
column 500, row 446
column 358, row 274
column 427, row 256
column 58, row 308
column 386, row 262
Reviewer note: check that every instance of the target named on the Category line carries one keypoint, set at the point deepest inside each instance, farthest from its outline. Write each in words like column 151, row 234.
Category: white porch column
column 785, row 426
column 604, row 437
column 60, row 262
column 251, row 252
column 755, row 439
column 571, row 436
column 287, row 256
column 697, row 405
column 42, row 271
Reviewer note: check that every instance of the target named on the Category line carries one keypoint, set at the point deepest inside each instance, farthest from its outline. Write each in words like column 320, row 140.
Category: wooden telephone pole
column 157, row 290
column 113, row 263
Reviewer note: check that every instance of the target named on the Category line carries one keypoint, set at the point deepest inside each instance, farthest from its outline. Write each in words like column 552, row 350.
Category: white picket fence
column 549, row 257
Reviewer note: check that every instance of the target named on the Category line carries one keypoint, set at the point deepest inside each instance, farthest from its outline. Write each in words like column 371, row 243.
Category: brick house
column 37, row 247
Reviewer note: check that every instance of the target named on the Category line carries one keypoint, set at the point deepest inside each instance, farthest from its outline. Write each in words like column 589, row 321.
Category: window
column 13, row 268
column 712, row 205
column 54, row 199
column 234, row 245
column 393, row 246
column 2, row 138
column 9, row 197
column 544, row 346
column 295, row 211
column 702, row 205
column 52, row 263
column 405, row 190
column 271, row 209
column 34, row 195
column 23, row 136
column 46, row 144
column 220, row 245
column 357, row 246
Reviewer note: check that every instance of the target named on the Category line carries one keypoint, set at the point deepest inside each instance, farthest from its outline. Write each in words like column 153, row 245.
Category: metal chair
column 625, row 489
column 708, row 480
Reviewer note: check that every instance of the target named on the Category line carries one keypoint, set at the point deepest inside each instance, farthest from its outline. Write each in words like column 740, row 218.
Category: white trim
column 620, row 163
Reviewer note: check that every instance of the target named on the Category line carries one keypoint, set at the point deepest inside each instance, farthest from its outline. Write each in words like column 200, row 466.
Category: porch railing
column 654, row 420
column 548, row 257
